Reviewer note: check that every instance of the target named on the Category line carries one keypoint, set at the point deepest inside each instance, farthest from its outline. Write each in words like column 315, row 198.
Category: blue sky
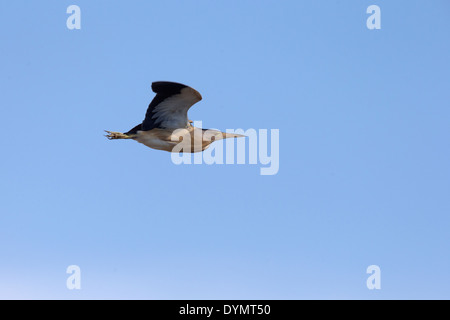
column 364, row 175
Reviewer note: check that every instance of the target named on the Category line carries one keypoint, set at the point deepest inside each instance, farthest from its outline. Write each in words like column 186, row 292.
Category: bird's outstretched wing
column 170, row 106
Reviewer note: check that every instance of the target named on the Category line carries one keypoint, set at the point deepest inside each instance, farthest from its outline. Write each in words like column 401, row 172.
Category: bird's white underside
column 192, row 139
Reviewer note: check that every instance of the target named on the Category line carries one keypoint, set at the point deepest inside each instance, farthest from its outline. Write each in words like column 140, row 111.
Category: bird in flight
column 166, row 125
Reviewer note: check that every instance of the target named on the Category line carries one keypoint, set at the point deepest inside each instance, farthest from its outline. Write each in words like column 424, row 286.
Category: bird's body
column 190, row 139
column 166, row 125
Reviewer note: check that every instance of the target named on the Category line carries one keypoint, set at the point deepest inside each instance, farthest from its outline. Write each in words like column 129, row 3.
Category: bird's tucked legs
column 117, row 135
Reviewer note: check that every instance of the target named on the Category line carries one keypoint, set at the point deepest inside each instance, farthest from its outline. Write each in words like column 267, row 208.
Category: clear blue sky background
column 364, row 175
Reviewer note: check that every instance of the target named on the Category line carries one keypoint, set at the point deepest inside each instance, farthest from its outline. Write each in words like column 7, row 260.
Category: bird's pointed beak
column 226, row 135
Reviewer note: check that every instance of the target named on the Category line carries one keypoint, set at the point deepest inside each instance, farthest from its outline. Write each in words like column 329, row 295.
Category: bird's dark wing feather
column 170, row 106
column 135, row 129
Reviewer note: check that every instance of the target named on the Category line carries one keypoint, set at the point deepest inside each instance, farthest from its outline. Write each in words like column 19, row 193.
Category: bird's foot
column 116, row 135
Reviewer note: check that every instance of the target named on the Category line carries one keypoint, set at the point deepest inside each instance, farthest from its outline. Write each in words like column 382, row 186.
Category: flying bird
column 166, row 125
